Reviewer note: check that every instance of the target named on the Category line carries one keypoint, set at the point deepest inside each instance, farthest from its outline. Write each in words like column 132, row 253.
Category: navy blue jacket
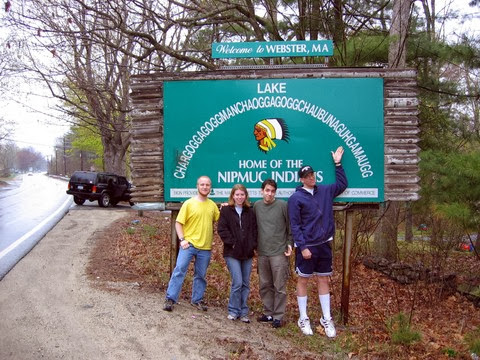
column 311, row 216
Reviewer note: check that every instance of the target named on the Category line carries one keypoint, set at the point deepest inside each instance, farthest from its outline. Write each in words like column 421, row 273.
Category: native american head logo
column 268, row 130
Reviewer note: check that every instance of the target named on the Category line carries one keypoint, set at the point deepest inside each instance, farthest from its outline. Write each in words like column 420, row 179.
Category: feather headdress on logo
column 275, row 129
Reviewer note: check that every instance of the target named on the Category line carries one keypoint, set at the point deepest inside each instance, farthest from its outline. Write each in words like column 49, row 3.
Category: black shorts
column 319, row 264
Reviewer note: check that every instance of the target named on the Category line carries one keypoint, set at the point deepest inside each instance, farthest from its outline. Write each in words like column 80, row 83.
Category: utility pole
column 64, row 158
column 56, row 161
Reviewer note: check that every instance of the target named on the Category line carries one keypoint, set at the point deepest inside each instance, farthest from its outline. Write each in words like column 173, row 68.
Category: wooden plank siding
column 401, row 131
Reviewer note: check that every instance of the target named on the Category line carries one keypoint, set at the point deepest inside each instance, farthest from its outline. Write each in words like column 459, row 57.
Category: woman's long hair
column 240, row 187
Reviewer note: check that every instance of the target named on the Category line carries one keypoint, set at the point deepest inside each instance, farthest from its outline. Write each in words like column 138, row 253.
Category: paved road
column 29, row 208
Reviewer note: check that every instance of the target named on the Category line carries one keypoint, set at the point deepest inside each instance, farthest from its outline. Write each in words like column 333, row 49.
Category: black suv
column 107, row 188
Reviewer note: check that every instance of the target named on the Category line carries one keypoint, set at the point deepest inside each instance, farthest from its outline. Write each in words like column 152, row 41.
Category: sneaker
column 304, row 325
column 245, row 319
column 200, row 306
column 168, row 305
column 329, row 327
column 231, row 317
column 265, row 318
column 276, row 323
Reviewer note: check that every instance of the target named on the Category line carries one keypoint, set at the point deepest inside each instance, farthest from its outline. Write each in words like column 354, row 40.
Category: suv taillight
column 69, row 186
column 94, row 189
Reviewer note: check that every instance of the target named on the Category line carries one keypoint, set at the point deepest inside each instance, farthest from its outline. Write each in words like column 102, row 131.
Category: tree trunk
column 339, row 32
column 398, row 33
column 302, row 19
column 385, row 239
column 408, row 222
column 385, row 243
column 114, row 158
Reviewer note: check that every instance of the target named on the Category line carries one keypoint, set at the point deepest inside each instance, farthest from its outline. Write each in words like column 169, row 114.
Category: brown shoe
column 200, row 306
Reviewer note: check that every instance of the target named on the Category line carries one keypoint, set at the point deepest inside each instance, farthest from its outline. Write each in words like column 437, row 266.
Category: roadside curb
column 27, row 242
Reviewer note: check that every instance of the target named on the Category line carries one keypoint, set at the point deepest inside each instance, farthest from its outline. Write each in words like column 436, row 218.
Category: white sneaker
column 329, row 327
column 304, row 325
column 245, row 319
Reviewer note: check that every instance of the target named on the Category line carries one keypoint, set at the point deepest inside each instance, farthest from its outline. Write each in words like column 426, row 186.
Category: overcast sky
column 469, row 17
column 36, row 127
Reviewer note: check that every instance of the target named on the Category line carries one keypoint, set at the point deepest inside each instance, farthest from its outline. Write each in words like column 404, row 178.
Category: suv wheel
column 104, row 200
column 78, row 200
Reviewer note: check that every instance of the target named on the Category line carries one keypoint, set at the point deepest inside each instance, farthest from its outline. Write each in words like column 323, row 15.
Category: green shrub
column 473, row 341
column 400, row 330
column 450, row 352
column 150, row 231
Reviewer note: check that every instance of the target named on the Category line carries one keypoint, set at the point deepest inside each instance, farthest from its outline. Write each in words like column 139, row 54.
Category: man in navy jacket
column 310, row 209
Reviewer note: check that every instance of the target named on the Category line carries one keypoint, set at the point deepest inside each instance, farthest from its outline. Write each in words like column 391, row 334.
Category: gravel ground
column 49, row 309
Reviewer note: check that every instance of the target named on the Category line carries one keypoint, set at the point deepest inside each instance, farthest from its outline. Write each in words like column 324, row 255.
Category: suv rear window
column 83, row 177
column 103, row 178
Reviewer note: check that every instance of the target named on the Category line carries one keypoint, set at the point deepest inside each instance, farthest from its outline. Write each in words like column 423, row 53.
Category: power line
column 38, row 144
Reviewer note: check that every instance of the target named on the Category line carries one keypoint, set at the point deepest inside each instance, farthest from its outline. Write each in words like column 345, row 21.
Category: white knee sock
column 302, row 306
column 325, row 304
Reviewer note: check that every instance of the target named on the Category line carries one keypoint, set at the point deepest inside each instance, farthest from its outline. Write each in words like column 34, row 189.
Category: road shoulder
column 50, row 309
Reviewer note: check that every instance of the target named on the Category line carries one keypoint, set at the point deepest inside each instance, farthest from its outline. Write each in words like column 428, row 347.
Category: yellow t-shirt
column 197, row 218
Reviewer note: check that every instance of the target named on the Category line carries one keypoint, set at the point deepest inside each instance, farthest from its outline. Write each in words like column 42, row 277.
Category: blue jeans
column 202, row 259
column 240, row 271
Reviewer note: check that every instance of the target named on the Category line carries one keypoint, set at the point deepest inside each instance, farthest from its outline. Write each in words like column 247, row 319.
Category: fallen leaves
column 141, row 254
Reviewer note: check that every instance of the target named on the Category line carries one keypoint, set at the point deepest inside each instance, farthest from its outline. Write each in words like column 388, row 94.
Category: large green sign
column 245, row 131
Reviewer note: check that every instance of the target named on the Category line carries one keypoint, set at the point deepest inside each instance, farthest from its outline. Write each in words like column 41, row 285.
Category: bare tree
column 93, row 47
column 28, row 158
column 181, row 32
column 90, row 77
column 8, row 151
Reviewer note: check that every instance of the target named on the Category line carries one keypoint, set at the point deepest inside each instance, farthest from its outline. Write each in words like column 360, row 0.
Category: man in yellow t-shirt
column 194, row 226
